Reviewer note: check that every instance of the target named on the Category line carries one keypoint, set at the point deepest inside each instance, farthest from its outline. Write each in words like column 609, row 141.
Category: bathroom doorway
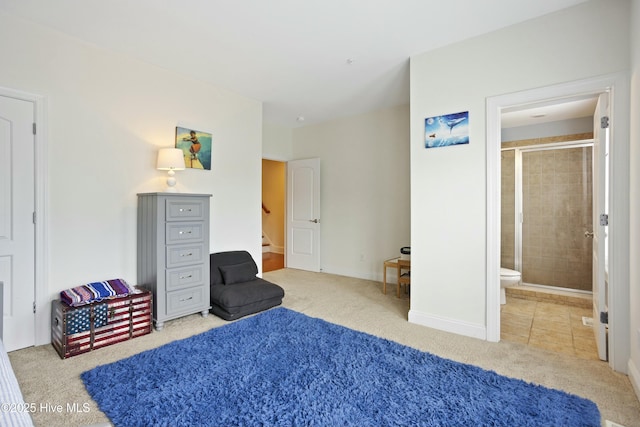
column 616, row 295
column 546, row 230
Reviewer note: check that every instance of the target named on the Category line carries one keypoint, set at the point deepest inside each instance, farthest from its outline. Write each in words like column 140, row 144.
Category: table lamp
column 170, row 159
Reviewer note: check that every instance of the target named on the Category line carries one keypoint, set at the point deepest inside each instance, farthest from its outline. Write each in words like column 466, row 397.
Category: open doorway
column 273, row 214
column 547, row 225
column 616, row 85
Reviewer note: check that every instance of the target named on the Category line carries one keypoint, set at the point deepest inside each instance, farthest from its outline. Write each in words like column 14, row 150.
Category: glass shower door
column 556, row 214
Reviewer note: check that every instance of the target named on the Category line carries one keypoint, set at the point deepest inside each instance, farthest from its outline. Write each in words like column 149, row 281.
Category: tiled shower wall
column 507, row 217
column 557, row 210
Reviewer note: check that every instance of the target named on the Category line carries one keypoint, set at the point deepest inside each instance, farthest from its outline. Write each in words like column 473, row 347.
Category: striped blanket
column 96, row 291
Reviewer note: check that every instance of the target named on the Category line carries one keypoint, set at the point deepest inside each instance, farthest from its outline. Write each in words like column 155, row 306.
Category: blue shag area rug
column 283, row 368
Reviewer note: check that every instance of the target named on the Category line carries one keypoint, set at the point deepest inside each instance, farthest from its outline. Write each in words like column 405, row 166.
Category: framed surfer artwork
column 196, row 146
column 449, row 129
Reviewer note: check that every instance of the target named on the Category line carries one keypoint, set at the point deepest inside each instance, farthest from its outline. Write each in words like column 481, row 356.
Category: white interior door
column 600, row 223
column 17, row 230
column 303, row 214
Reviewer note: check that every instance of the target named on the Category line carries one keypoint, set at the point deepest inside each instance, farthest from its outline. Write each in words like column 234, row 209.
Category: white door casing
column 617, row 85
column 17, row 229
column 600, row 227
column 303, row 214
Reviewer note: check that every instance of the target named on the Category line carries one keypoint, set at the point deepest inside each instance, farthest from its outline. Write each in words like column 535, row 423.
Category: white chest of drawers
column 173, row 253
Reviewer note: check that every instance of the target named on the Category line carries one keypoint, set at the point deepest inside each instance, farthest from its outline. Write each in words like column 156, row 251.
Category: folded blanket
column 96, row 291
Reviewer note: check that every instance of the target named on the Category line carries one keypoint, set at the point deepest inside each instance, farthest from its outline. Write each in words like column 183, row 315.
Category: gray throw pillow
column 238, row 273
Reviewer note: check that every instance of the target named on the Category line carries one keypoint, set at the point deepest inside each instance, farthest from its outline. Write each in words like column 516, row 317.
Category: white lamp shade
column 170, row 159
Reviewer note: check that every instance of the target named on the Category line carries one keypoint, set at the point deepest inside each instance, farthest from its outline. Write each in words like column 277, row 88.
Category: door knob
column 315, row 221
column 588, row 234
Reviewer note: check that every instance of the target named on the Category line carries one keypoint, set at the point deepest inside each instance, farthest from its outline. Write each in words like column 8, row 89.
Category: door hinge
column 34, row 128
column 604, row 317
column 604, row 219
column 34, row 307
column 604, row 122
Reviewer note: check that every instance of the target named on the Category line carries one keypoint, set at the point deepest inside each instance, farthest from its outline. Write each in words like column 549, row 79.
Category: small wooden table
column 392, row 263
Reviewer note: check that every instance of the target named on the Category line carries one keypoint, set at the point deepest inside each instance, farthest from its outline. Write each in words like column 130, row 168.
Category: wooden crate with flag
column 80, row 329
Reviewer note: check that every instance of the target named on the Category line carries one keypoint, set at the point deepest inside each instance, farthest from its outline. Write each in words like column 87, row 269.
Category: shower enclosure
column 547, row 214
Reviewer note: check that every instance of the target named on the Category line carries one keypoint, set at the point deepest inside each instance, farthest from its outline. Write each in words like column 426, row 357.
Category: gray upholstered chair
column 236, row 291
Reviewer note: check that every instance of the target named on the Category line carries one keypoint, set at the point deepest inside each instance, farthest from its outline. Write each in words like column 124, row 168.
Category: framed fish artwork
column 449, row 129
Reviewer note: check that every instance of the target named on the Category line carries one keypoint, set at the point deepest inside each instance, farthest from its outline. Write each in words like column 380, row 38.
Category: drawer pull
column 184, row 232
column 186, row 277
column 189, row 254
column 186, row 299
column 185, row 210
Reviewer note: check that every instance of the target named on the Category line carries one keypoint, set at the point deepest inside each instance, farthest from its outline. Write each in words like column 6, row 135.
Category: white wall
column 543, row 130
column 277, row 142
column 107, row 115
column 448, row 185
column 634, row 361
column 365, row 206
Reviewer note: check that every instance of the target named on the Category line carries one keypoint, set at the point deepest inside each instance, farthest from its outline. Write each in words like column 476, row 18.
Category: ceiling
column 308, row 61
column 550, row 111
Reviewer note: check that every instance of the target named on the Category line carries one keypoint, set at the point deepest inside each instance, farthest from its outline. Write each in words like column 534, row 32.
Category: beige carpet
column 49, row 381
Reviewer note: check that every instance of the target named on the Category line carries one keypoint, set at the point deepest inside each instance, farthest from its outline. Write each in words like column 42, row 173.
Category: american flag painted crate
column 76, row 330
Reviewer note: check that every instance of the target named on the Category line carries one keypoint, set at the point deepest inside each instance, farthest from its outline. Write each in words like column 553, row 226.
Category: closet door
column 17, row 227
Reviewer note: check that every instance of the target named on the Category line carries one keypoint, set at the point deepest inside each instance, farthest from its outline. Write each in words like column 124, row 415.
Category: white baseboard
column 358, row 274
column 472, row 330
column 634, row 377
column 364, row 273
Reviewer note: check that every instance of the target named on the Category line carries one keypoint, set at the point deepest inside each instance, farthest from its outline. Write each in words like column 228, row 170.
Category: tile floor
column 550, row 325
